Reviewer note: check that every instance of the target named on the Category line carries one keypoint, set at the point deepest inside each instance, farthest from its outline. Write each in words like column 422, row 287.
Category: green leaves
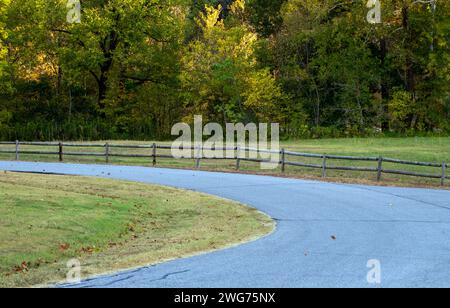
column 141, row 65
column 221, row 75
column 3, row 35
column 264, row 97
column 346, row 72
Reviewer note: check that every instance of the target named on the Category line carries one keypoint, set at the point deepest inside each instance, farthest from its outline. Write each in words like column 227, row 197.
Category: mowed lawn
column 422, row 149
column 426, row 149
column 108, row 225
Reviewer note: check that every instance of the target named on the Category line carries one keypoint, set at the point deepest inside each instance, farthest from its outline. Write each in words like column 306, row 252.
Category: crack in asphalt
column 404, row 197
column 107, row 284
column 111, row 276
column 168, row 275
column 111, row 283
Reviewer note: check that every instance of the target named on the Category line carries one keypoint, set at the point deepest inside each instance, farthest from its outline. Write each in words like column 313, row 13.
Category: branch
column 158, row 40
column 140, row 79
column 95, row 76
column 80, row 42
column 61, row 30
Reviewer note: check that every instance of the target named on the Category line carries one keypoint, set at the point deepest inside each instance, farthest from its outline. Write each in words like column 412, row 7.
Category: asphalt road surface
column 327, row 234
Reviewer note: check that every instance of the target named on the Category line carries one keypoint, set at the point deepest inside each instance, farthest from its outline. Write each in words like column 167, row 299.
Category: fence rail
column 237, row 156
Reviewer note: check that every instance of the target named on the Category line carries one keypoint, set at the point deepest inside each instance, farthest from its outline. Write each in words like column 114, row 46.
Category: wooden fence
column 284, row 161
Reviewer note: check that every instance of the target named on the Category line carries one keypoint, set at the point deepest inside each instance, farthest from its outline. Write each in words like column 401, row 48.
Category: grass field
column 108, row 225
column 426, row 149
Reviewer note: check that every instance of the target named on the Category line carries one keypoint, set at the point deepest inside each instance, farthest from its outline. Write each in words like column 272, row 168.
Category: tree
column 347, row 73
column 99, row 67
column 264, row 97
column 132, row 68
column 116, row 40
column 3, row 37
column 5, row 85
column 265, row 16
column 221, row 78
column 293, row 50
column 415, row 57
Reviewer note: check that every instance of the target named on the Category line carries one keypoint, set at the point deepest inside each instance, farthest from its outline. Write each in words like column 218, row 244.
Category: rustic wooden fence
column 239, row 155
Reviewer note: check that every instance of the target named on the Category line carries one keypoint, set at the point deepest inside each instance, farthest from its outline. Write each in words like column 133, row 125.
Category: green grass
column 427, row 149
column 108, row 225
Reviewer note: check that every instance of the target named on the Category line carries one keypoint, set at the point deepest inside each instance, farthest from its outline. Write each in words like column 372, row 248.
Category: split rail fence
column 153, row 155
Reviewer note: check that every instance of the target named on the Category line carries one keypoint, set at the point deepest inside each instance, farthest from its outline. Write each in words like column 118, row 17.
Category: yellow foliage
column 43, row 67
column 210, row 19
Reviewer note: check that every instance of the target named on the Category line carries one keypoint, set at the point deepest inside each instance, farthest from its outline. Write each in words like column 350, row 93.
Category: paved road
column 407, row 230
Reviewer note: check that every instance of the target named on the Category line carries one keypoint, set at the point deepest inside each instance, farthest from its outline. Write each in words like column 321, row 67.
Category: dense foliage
column 133, row 68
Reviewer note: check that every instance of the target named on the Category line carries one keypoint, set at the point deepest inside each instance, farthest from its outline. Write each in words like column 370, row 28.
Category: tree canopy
column 133, row 68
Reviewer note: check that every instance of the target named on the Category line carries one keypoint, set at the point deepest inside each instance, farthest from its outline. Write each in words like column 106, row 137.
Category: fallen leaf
column 64, row 247
column 22, row 268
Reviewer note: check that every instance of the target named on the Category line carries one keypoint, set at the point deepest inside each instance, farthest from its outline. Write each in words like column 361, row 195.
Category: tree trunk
column 102, row 89
column 108, row 45
column 383, row 86
column 410, row 77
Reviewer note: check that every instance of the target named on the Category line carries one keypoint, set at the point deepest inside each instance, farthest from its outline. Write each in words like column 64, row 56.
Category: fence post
column 283, row 160
column 238, row 158
column 17, row 149
column 107, row 152
column 444, row 167
column 60, row 152
column 197, row 160
column 212, row 151
column 154, row 154
column 324, row 166
column 380, row 168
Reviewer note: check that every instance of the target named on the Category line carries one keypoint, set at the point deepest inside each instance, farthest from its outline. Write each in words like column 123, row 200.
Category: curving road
column 326, row 233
